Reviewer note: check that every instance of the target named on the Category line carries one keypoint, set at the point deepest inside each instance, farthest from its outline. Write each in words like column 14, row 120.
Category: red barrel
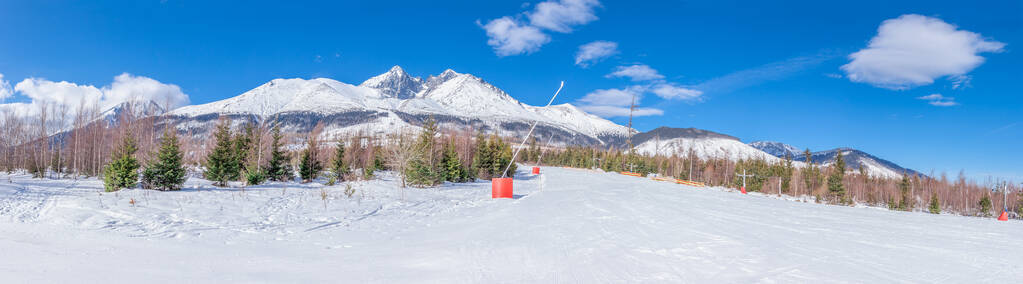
column 536, row 170
column 501, row 188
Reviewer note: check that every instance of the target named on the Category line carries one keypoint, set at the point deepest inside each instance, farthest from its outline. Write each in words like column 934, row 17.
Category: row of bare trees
column 58, row 141
column 912, row 193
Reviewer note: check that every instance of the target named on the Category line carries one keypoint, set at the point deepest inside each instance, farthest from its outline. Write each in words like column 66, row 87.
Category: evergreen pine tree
column 786, row 173
column 835, row 185
column 482, row 160
column 309, row 167
column 122, row 172
column 935, row 207
column 451, row 167
column 904, row 186
column 810, row 174
column 533, row 152
column 167, row 172
column 337, row 165
column 222, row 162
column 1019, row 205
column 278, row 168
column 243, row 147
column 985, row 206
column 422, row 171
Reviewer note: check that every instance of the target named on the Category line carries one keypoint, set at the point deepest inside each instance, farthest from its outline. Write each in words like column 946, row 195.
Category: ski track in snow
column 583, row 227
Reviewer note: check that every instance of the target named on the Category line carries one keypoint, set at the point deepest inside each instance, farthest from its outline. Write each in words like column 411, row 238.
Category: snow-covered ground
column 583, row 227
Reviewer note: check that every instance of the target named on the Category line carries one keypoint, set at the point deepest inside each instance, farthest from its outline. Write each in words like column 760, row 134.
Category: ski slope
column 583, row 227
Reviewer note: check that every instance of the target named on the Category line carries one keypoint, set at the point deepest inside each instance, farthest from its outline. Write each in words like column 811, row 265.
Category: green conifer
column 278, row 168
column 985, row 206
column 835, row 185
column 338, row 165
column 451, row 167
column 167, row 172
column 935, row 207
column 222, row 162
column 122, row 172
column 309, row 167
column 422, row 171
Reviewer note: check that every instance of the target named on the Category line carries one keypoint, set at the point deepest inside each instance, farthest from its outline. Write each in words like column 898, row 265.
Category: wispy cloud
column 594, row 52
column 670, row 91
column 512, row 35
column 1003, row 128
column 764, row 73
column 939, row 100
column 914, row 50
column 637, row 72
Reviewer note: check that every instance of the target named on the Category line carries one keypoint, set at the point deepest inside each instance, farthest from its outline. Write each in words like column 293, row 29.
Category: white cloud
column 616, row 102
column 561, row 16
column 594, row 52
column 638, row 72
column 670, row 91
column 60, row 93
column 510, row 37
column 914, row 50
column 125, row 87
column 618, row 97
column 939, row 100
column 5, row 89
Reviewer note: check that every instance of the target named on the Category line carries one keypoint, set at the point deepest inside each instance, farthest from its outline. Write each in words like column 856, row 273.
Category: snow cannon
column 743, row 189
column 1004, row 216
column 536, row 170
column 501, row 188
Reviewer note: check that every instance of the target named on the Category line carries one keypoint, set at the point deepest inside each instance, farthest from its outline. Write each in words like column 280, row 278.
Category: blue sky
column 759, row 70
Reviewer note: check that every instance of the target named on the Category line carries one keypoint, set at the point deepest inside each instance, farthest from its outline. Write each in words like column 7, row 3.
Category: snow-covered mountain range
column 854, row 159
column 396, row 101
column 702, row 143
column 777, row 149
column 707, row 144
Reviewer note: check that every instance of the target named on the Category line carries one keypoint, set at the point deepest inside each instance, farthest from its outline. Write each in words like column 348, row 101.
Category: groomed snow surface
column 583, row 227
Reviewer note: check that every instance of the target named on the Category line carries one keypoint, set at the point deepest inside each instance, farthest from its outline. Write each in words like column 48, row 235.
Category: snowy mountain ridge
column 396, row 100
column 698, row 142
column 776, row 149
column 706, row 144
column 854, row 159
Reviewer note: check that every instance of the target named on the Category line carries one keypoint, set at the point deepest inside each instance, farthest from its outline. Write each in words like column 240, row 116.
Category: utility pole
column 628, row 156
column 744, row 176
column 1005, row 197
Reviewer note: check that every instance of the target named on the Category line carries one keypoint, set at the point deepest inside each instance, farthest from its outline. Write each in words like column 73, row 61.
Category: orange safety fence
column 631, row 174
column 661, row 179
column 689, row 182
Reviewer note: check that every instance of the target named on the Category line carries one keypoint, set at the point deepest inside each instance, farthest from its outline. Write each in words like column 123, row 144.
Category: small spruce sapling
column 122, row 172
